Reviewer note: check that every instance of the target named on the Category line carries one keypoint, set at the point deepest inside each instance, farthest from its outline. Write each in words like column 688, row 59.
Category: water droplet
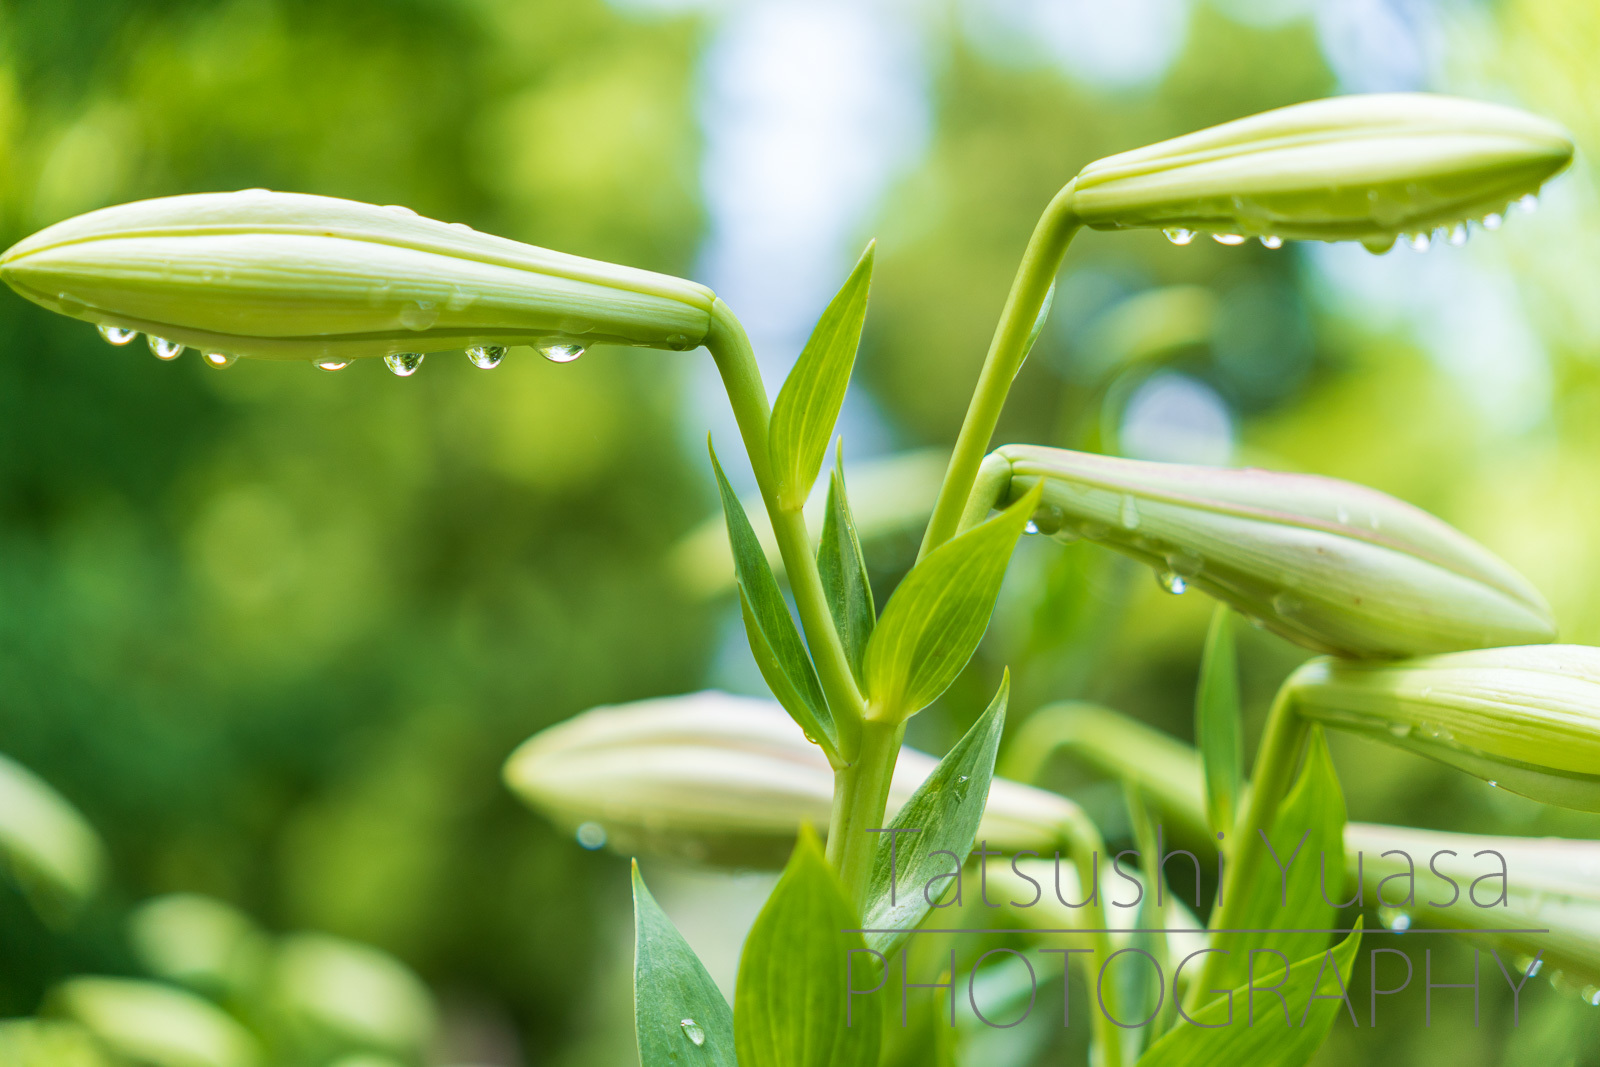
column 1399, row 922
column 591, row 835
column 1591, row 996
column 1272, row 241
column 561, row 353
column 1492, row 220
column 1528, row 203
column 117, row 335
column 680, row 342
column 163, row 348
column 1458, row 234
column 692, row 1031
column 1532, row 969
column 1172, row 582
column 1419, row 242
column 419, row 314
column 1493, row 784
column 1342, row 513
column 219, row 359
column 1227, row 238
column 1378, row 245
column 1400, row 729
column 398, row 209
column 962, row 777
column 486, row 357
column 1094, row 531
column 1185, row 564
column 1031, row 528
column 1129, row 515
column 404, row 364
column 1287, row 605
column 331, row 364
column 1178, row 235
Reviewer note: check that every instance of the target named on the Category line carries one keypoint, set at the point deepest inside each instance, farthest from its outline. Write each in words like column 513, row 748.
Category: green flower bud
column 1362, row 168
column 722, row 780
column 1333, row 566
column 290, row 276
column 1525, row 719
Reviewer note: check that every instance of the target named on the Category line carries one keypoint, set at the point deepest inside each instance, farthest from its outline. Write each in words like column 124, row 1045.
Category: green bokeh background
column 274, row 631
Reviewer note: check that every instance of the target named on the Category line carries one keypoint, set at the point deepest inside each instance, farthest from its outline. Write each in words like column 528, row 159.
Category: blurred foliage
column 273, row 631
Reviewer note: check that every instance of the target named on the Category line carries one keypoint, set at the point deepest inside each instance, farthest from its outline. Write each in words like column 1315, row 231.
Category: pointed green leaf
column 776, row 642
column 844, row 574
column 934, row 621
column 792, row 1008
column 679, row 1015
column 808, row 404
column 1216, row 722
column 1141, row 995
column 945, row 810
column 1311, row 819
column 1266, row 1041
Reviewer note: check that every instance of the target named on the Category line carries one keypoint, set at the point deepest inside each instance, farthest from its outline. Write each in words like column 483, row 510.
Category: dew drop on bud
column 1031, row 528
column 1377, row 245
column 1172, row 582
column 1528, row 203
column 218, row 359
column 1419, row 242
column 1458, row 234
column 591, row 835
column 163, row 348
column 1128, row 516
column 404, row 364
column 1227, row 238
column 486, row 357
column 1492, row 220
column 117, row 335
column 561, row 353
column 1272, row 241
column 693, row 1032
column 331, row 364
column 419, row 314
column 1286, row 605
column 1178, row 235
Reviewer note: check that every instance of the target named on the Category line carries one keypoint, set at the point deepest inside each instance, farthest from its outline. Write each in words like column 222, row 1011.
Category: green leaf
column 1267, row 1043
column 1314, row 811
column 774, row 640
column 1216, row 722
column 48, row 847
column 791, row 1008
column 1038, row 325
column 679, row 1014
column 946, row 809
column 1141, row 995
column 844, row 573
column 934, row 621
column 808, row 404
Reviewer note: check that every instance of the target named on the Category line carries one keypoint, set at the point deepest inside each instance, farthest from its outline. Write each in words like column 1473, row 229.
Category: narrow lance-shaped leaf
column 1307, row 836
column 778, row 649
column 934, row 621
column 1140, row 989
column 945, row 812
column 1216, row 722
column 807, row 407
column 679, row 1015
column 1315, row 991
column 844, row 573
column 792, row 1005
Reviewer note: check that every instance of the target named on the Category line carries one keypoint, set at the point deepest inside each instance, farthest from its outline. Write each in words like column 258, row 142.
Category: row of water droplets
column 1454, row 235
column 404, row 364
column 1398, row 921
column 1181, row 565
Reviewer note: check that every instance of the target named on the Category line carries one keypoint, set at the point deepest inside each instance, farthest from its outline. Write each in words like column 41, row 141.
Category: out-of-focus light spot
column 1377, row 46
column 1174, row 418
column 1264, row 14
column 1122, row 45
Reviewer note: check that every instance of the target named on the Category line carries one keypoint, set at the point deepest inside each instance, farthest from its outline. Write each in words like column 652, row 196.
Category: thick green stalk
column 1274, row 770
column 1036, row 273
column 741, row 377
column 860, row 797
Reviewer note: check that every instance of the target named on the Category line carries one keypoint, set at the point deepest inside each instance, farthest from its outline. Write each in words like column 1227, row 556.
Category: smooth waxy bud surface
column 1524, row 719
column 1331, row 565
column 1364, row 168
column 292, row 276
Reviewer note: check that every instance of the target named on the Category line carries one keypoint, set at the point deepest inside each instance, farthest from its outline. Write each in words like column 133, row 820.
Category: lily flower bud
column 722, row 780
column 1328, row 564
column 1364, row 168
column 1525, row 719
column 291, row 276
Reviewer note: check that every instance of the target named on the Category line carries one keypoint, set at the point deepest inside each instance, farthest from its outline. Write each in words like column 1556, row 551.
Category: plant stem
column 1084, row 842
column 1040, row 261
column 1275, row 765
column 741, row 377
column 860, row 796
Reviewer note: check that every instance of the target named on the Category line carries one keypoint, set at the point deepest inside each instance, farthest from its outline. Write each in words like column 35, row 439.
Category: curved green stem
column 860, row 797
column 1274, row 770
column 1046, row 248
column 741, row 377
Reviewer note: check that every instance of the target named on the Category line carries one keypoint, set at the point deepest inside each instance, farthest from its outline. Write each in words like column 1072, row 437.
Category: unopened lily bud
column 291, row 276
column 1331, row 565
column 1365, row 168
column 722, row 780
column 1525, row 719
